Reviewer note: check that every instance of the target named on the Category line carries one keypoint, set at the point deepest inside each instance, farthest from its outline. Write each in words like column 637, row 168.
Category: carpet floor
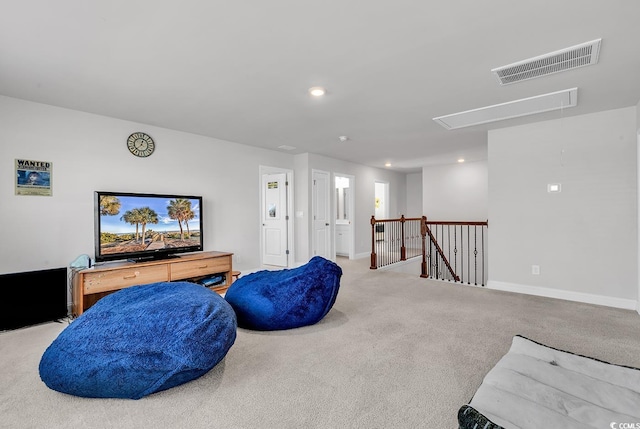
column 396, row 351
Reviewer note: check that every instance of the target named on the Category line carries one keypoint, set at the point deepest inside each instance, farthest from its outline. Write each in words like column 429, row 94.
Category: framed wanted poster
column 33, row 177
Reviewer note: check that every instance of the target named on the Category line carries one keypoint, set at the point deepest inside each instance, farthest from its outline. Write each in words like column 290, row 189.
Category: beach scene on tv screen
column 135, row 224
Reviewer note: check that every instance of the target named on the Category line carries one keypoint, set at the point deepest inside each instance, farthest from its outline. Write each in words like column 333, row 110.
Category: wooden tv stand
column 91, row 284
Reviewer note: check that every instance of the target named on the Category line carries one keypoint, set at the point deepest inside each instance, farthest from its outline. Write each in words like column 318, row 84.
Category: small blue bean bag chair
column 285, row 299
column 140, row 340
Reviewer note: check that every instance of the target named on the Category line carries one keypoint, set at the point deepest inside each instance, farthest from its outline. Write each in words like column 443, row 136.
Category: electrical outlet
column 535, row 270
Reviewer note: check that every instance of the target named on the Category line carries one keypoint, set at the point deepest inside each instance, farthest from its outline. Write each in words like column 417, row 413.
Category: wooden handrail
column 456, row 223
column 400, row 219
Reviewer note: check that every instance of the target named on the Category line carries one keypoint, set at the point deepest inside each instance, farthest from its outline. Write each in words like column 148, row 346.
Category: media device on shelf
column 139, row 227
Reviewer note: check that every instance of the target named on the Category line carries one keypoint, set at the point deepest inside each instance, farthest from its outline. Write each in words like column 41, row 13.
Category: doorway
column 276, row 229
column 381, row 210
column 344, row 214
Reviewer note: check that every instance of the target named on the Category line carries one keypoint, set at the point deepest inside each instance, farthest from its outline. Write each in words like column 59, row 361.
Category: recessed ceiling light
column 461, row 160
column 387, row 164
column 343, row 138
column 317, row 91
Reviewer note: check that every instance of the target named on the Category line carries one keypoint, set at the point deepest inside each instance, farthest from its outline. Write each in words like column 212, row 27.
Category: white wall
column 89, row 153
column 302, row 198
column 584, row 238
column 414, row 195
column 638, row 196
column 456, row 192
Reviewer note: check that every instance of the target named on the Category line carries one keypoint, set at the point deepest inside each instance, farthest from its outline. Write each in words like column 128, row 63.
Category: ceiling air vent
column 512, row 109
column 581, row 55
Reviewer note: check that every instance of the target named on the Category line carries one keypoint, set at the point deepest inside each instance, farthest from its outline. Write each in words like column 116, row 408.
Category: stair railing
column 426, row 231
column 455, row 251
column 394, row 240
column 450, row 250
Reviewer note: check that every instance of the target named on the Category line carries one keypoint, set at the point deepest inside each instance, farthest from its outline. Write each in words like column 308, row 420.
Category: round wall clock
column 141, row 144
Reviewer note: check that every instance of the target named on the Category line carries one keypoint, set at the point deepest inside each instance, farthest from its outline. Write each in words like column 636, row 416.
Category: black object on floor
column 33, row 297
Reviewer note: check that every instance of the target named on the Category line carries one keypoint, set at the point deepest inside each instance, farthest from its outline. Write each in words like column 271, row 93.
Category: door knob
column 326, row 224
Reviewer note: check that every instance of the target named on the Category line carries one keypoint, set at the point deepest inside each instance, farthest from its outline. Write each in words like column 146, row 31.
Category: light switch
column 554, row 187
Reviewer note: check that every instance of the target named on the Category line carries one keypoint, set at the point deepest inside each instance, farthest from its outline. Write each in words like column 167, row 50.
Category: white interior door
column 321, row 214
column 274, row 219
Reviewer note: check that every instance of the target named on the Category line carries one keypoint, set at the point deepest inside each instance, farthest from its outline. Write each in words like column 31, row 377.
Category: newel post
column 403, row 249
column 374, row 257
column 423, row 232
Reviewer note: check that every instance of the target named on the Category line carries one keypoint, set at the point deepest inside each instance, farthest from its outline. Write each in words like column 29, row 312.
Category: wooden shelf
column 94, row 283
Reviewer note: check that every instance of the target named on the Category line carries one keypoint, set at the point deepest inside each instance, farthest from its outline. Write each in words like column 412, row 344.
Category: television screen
column 138, row 226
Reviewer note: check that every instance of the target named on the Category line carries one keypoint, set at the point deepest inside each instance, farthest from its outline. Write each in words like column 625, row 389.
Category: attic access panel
column 512, row 109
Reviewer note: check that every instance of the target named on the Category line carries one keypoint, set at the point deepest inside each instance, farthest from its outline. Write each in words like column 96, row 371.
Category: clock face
column 141, row 144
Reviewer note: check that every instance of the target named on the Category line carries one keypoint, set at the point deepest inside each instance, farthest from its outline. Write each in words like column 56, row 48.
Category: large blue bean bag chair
column 140, row 340
column 285, row 299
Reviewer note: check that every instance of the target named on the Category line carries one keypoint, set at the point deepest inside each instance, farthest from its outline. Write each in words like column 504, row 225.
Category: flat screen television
column 140, row 227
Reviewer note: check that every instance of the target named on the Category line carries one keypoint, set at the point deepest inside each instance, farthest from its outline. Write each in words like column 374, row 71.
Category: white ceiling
column 239, row 70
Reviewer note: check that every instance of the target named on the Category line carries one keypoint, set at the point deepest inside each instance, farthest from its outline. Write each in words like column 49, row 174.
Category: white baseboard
column 627, row 304
column 362, row 255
